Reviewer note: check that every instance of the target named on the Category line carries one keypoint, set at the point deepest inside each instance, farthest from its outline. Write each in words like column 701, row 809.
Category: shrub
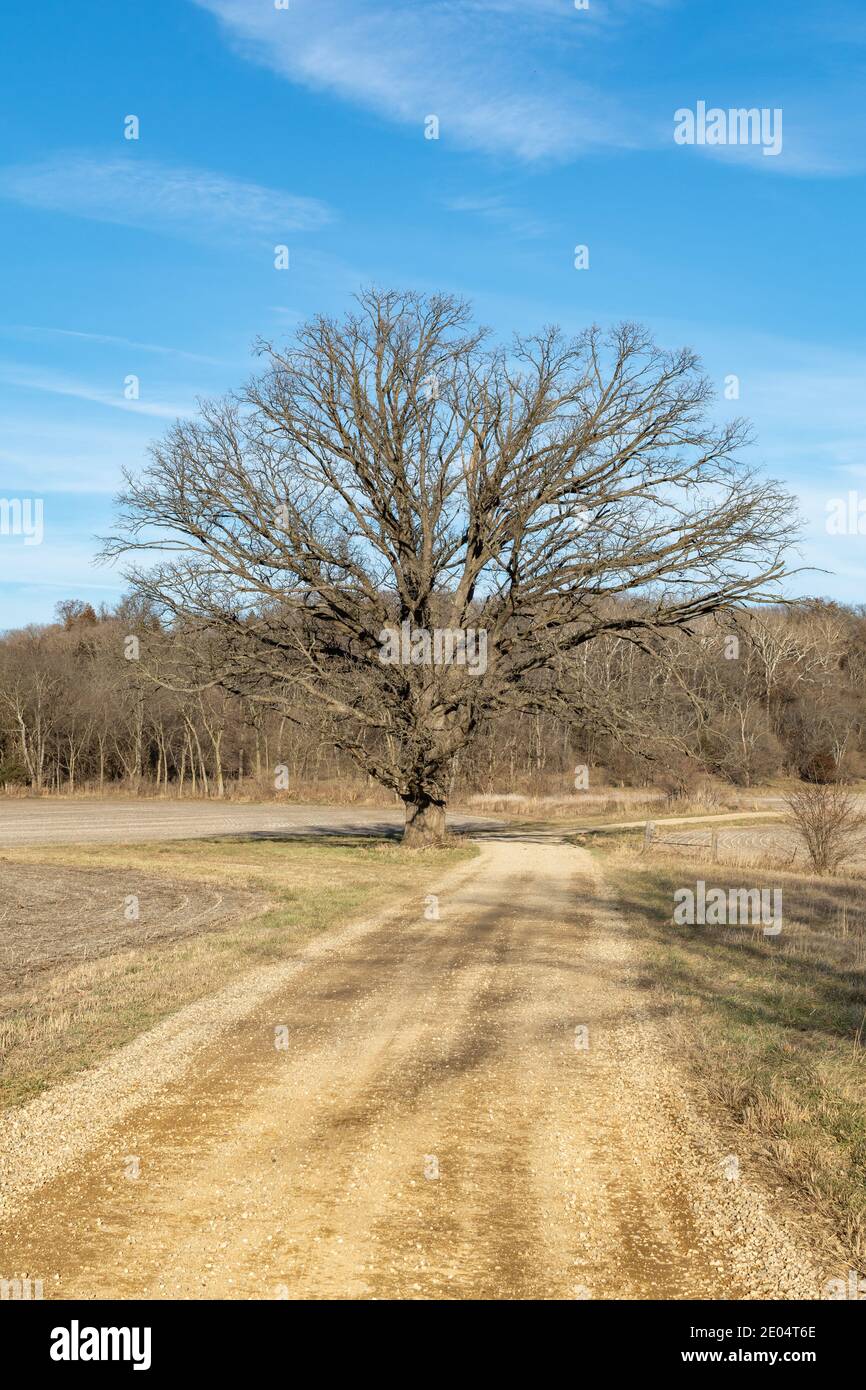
column 829, row 818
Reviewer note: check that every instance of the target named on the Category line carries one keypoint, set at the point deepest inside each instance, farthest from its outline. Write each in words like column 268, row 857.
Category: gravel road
column 483, row 1105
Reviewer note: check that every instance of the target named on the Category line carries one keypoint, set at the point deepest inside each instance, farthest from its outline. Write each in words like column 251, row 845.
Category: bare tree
column 831, row 822
column 399, row 471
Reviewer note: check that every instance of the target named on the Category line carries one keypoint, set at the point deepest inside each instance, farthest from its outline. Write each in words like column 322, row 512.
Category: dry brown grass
column 774, row 1029
column 607, row 803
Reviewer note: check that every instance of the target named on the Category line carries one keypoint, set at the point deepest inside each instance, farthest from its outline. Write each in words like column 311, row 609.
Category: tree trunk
column 425, row 823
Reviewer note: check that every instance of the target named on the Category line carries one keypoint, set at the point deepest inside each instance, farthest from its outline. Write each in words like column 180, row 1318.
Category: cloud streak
column 136, row 192
column 531, row 79
column 462, row 63
column 27, row 330
column 35, row 379
column 496, row 209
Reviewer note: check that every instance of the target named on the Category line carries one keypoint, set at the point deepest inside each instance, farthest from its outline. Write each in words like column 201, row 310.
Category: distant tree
column 401, row 468
column 72, row 612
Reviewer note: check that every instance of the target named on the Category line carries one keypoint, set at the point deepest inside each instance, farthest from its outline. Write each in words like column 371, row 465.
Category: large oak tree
column 402, row 469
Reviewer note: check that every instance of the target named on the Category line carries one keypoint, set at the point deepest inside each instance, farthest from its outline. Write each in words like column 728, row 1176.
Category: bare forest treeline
column 778, row 691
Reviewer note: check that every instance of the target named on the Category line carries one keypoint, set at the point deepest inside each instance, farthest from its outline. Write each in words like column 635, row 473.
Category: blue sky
column 305, row 126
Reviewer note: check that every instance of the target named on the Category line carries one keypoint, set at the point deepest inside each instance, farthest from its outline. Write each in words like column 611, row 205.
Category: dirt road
column 480, row 1106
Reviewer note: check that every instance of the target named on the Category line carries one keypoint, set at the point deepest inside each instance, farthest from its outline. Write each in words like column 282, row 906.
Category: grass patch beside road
column 60, row 1016
column 773, row 1028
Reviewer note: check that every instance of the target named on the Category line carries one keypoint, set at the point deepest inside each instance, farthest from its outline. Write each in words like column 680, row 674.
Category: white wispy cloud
column 49, row 451
column 463, row 63
column 64, row 564
column 137, row 192
column 36, row 465
column 535, row 79
column 495, row 208
column 27, row 330
column 810, row 148
column 56, row 384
